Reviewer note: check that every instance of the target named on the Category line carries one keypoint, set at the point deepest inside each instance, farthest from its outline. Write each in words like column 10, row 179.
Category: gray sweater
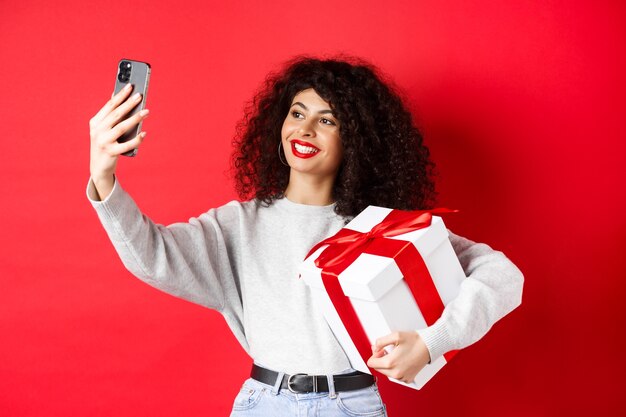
column 242, row 259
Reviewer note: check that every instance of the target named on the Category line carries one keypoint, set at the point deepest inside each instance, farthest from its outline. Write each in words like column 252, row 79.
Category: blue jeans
column 256, row 399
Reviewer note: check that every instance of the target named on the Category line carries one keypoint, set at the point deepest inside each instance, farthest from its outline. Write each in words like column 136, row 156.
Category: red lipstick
column 301, row 154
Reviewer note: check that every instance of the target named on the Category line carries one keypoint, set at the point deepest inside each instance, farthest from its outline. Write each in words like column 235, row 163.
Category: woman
column 320, row 142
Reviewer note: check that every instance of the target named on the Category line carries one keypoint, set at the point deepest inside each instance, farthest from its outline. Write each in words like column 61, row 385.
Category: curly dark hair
column 385, row 162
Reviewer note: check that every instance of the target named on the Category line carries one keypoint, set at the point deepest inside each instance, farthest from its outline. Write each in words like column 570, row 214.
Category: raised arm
column 188, row 260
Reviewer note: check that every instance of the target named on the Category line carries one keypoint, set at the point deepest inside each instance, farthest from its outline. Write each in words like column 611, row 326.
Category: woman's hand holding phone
column 104, row 129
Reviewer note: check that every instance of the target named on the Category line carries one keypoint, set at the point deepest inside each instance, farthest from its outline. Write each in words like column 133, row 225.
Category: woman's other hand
column 407, row 356
column 104, row 129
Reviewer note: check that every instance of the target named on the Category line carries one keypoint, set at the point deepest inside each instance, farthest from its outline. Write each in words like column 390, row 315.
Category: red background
column 522, row 105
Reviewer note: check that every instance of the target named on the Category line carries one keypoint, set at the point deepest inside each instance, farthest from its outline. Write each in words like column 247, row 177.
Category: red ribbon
column 347, row 245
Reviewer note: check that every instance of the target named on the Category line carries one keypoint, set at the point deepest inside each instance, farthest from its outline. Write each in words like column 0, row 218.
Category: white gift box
column 377, row 291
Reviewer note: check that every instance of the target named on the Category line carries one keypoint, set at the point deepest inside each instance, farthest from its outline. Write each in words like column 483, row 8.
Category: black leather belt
column 303, row 383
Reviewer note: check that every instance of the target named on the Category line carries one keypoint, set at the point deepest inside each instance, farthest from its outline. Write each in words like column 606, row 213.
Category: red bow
column 348, row 242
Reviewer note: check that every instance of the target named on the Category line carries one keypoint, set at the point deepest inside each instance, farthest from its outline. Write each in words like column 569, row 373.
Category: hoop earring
column 280, row 144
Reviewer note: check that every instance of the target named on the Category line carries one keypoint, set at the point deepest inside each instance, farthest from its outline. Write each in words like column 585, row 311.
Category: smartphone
column 138, row 74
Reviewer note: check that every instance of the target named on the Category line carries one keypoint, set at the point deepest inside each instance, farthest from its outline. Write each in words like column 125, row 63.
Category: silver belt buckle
column 289, row 382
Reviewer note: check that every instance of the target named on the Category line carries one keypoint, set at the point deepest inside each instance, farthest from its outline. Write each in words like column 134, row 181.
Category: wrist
column 102, row 187
column 102, row 179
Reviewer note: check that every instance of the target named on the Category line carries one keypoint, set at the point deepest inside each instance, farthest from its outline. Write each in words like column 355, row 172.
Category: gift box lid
column 372, row 276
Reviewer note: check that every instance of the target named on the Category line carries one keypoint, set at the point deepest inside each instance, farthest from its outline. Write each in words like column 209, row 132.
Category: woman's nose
column 306, row 129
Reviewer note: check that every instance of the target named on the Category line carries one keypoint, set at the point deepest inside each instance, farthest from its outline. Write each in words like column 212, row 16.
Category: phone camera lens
column 125, row 70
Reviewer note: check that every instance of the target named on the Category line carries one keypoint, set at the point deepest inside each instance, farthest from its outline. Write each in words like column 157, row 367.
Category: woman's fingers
column 382, row 352
column 390, row 339
column 104, row 138
column 120, row 111
column 110, row 105
column 408, row 356
column 120, row 148
column 127, row 124
column 382, row 361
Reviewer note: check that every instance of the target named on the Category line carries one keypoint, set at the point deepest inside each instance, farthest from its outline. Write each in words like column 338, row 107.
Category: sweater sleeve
column 188, row 260
column 492, row 289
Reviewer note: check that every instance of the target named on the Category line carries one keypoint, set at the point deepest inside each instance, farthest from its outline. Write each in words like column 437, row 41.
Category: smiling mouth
column 303, row 149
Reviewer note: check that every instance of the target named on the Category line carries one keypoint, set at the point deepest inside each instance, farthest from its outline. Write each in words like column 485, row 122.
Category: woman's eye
column 328, row 122
column 296, row 114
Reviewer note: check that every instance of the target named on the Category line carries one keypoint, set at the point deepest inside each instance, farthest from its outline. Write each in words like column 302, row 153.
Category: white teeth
column 305, row 149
